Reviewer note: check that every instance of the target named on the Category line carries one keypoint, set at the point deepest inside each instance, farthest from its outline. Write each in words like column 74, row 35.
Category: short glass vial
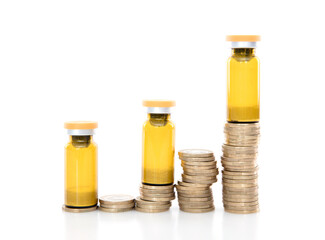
column 80, row 165
column 243, row 80
column 158, row 144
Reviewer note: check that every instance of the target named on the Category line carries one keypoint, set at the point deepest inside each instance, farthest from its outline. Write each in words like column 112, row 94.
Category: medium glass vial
column 158, row 144
column 80, row 165
column 243, row 83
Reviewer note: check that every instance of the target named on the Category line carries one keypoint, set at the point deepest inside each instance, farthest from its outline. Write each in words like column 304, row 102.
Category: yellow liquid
column 243, row 87
column 81, row 172
column 158, row 148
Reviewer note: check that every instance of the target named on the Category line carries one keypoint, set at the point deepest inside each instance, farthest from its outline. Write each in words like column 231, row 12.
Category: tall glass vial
column 243, row 84
column 158, row 144
column 80, row 165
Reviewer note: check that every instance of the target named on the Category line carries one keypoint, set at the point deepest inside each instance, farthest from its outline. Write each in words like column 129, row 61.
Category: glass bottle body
column 243, row 86
column 81, row 172
column 158, row 148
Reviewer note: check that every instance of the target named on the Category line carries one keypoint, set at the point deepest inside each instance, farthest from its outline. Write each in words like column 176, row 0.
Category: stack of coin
column 239, row 160
column 116, row 203
column 200, row 172
column 154, row 199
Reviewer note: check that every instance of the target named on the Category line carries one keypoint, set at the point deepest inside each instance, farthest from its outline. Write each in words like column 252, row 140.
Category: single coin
column 242, row 212
column 203, row 177
column 230, row 160
column 193, row 185
column 199, row 164
column 129, row 205
column 158, row 191
column 187, row 184
column 194, row 159
column 198, row 168
column 201, row 181
column 157, row 199
column 240, row 204
column 140, row 201
column 195, row 199
column 234, row 177
column 192, row 195
column 152, row 187
column 239, row 185
column 148, row 210
column 197, row 153
column 240, row 189
column 239, row 155
column 238, row 165
column 116, row 199
column 240, row 199
column 236, row 173
column 244, row 194
column 78, row 210
column 146, row 206
column 241, row 170
column 240, row 181
column 241, row 149
column 164, row 195
column 186, row 188
column 200, row 174
column 193, row 210
column 115, row 210
column 202, row 203
column 245, row 208
column 206, row 171
column 186, row 205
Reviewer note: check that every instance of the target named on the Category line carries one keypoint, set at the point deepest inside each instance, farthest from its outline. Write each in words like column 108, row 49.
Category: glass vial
column 243, row 83
column 158, row 144
column 80, row 165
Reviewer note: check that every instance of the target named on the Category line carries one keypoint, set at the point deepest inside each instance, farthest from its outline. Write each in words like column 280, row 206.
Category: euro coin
column 115, row 210
column 148, row 210
column 201, row 210
column 116, row 199
column 142, row 202
column 197, row 153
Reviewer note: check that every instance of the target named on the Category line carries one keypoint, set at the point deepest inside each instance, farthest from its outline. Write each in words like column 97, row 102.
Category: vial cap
column 243, row 38
column 81, row 125
column 159, row 103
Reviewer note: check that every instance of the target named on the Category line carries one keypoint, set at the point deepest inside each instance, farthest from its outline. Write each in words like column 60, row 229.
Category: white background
column 97, row 60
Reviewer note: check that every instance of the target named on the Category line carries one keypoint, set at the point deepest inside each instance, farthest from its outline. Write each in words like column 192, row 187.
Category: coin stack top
column 239, row 160
column 154, row 198
column 200, row 172
column 116, row 203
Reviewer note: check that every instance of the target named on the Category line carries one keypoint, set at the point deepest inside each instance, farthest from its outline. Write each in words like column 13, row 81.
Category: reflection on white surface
column 195, row 225
column 173, row 224
column 239, row 226
column 156, row 225
column 81, row 226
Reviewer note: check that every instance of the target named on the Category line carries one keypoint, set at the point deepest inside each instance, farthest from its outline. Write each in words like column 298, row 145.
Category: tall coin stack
column 154, row 199
column 239, row 160
column 200, row 172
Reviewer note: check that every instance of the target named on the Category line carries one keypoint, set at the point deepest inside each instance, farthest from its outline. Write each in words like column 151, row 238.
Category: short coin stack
column 154, row 199
column 200, row 172
column 116, row 203
column 239, row 160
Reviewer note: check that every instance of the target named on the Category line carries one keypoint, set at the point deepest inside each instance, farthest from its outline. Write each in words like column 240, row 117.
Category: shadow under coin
column 81, row 226
column 239, row 226
column 196, row 225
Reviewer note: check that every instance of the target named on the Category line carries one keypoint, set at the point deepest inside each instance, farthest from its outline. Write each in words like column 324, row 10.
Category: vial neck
column 81, row 141
column 158, row 119
column 243, row 53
